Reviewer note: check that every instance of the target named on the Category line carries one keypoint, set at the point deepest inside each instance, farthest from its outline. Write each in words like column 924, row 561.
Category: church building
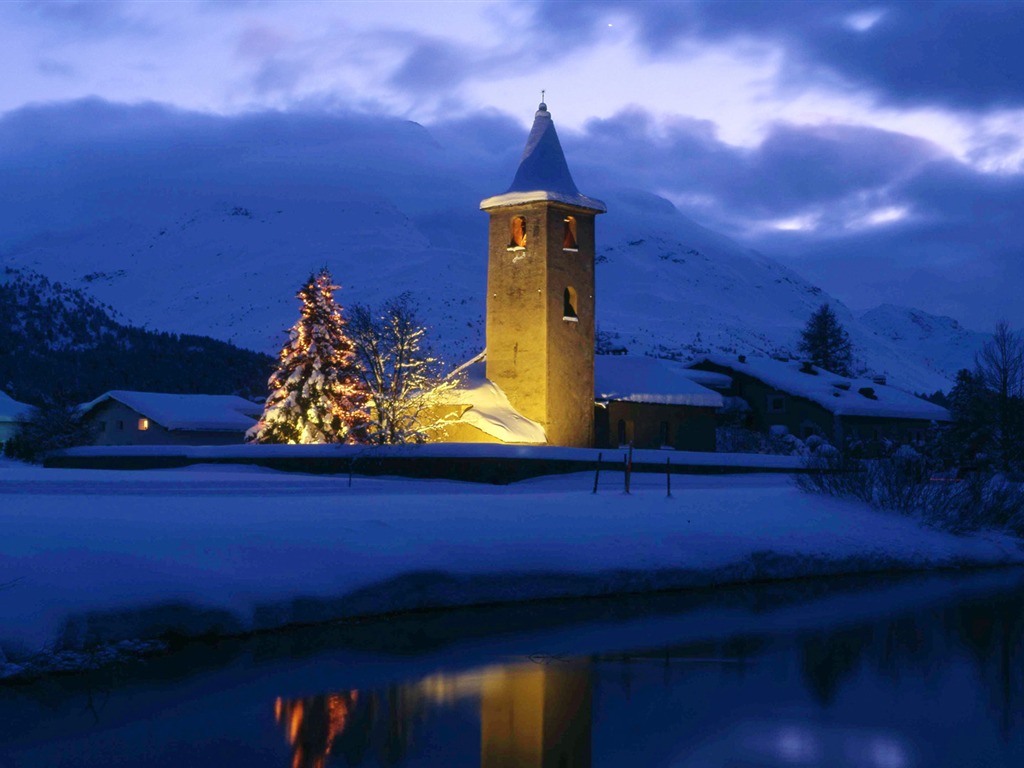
column 540, row 291
column 535, row 381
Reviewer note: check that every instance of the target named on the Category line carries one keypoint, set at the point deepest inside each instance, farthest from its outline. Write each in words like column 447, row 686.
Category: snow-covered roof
column 709, row 379
column 543, row 173
column 489, row 408
column 837, row 394
column 213, row 413
column 12, row 410
column 649, row 380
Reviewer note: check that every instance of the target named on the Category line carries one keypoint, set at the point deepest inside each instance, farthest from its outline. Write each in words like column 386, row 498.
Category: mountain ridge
column 217, row 243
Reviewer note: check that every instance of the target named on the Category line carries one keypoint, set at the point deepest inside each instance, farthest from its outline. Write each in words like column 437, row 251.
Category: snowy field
column 92, row 557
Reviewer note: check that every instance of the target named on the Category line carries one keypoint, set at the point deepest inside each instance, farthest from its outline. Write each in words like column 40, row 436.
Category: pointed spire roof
column 543, row 173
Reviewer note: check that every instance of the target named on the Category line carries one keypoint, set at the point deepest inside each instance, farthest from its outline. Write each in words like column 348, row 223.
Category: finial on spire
column 543, row 107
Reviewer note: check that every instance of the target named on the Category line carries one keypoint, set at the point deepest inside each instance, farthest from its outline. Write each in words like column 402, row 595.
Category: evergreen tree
column 316, row 393
column 971, row 432
column 825, row 342
column 405, row 380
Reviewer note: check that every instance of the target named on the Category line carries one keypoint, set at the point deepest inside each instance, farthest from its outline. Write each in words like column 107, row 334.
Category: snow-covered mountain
column 390, row 208
column 60, row 343
column 939, row 343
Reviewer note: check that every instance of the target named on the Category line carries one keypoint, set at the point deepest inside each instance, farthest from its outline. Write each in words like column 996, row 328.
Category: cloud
column 110, row 18
column 831, row 173
column 870, row 215
column 431, row 65
column 962, row 56
column 55, row 68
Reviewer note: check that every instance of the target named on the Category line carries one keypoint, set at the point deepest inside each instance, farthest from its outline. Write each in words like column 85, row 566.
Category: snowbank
column 489, row 409
column 11, row 410
column 91, row 558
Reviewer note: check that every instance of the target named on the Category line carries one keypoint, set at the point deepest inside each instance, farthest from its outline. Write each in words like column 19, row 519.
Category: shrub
column 909, row 483
column 52, row 427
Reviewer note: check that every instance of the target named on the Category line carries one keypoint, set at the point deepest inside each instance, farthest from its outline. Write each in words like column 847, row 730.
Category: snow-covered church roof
column 543, row 172
column 840, row 395
column 212, row 413
column 11, row 410
column 489, row 409
column 620, row 378
column 650, row 380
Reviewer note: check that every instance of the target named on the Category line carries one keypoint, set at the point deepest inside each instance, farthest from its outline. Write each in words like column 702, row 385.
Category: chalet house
column 652, row 403
column 807, row 400
column 12, row 414
column 155, row 418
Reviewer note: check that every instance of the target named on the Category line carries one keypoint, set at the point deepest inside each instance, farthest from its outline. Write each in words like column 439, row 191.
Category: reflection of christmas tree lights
column 313, row 724
column 530, row 715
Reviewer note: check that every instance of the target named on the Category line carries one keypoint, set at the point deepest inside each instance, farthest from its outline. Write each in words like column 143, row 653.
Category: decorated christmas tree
column 316, row 393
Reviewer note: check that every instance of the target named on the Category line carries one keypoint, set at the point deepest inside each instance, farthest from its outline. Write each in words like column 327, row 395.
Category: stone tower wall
column 543, row 363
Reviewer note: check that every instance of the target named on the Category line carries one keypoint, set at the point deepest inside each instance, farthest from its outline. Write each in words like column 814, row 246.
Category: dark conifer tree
column 825, row 342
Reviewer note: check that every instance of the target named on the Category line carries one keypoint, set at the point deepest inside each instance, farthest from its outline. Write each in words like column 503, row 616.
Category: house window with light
column 569, row 240
column 517, row 234
column 143, row 425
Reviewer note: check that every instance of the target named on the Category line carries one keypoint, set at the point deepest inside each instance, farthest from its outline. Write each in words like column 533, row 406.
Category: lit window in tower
column 518, row 232
column 569, row 306
column 569, row 241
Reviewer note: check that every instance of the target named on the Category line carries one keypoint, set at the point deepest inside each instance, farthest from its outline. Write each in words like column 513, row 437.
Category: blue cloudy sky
column 877, row 147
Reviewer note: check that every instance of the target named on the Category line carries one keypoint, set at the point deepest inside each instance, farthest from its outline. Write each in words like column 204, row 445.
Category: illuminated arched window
column 569, row 240
column 569, row 302
column 517, row 231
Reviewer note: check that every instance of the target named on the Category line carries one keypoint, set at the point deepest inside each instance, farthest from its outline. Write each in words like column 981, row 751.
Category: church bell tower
column 540, row 291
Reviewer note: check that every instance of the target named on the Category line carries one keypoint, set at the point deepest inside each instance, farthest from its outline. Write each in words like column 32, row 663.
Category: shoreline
column 108, row 558
column 69, row 664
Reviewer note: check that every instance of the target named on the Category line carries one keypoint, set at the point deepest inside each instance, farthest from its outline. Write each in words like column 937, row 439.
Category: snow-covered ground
column 102, row 556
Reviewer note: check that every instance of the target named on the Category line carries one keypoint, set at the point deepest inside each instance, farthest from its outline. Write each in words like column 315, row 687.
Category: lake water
column 887, row 672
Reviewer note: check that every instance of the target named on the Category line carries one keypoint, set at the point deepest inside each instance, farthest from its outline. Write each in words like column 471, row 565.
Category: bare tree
column 405, row 381
column 999, row 367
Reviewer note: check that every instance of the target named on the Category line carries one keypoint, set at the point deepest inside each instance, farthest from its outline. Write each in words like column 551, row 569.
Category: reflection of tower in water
column 534, row 716
column 531, row 716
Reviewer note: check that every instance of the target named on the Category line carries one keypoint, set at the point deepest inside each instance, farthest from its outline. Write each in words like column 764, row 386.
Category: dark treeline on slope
column 59, row 344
